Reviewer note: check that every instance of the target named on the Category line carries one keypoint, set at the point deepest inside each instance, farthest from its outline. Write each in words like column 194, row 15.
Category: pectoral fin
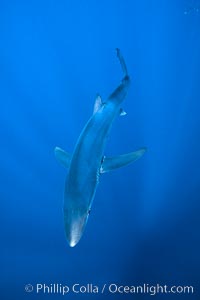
column 62, row 157
column 98, row 104
column 122, row 112
column 112, row 163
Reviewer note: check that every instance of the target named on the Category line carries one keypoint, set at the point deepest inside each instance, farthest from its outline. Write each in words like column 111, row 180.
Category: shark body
column 88, row 161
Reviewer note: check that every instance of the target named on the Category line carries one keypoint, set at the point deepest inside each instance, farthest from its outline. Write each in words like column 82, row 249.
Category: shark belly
column 84, row 172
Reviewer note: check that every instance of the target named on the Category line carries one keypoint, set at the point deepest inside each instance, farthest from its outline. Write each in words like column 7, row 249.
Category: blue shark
column 88, row 162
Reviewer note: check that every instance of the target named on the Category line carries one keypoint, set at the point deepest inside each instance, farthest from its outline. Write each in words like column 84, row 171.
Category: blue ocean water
column 144, row 225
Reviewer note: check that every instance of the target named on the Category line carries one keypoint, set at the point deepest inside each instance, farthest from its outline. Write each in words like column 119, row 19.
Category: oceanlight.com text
column 111, row 288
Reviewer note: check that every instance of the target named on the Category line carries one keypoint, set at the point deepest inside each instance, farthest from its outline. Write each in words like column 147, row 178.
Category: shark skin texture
column 88, row 162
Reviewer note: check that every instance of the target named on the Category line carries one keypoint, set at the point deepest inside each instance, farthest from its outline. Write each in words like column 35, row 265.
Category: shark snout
column 74, row 227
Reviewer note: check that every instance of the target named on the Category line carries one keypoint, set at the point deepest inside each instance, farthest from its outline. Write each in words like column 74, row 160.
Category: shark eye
column 89, row 211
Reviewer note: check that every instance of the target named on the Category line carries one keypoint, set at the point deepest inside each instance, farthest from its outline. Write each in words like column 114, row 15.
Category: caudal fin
column 120, row 92
column 122, row 62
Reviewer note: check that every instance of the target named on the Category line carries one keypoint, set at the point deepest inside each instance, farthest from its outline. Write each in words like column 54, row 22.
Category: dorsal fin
column 97, row 104
column 112, row 163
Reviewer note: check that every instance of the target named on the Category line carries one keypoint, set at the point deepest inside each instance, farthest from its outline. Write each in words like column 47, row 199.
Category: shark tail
column 122, row 62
